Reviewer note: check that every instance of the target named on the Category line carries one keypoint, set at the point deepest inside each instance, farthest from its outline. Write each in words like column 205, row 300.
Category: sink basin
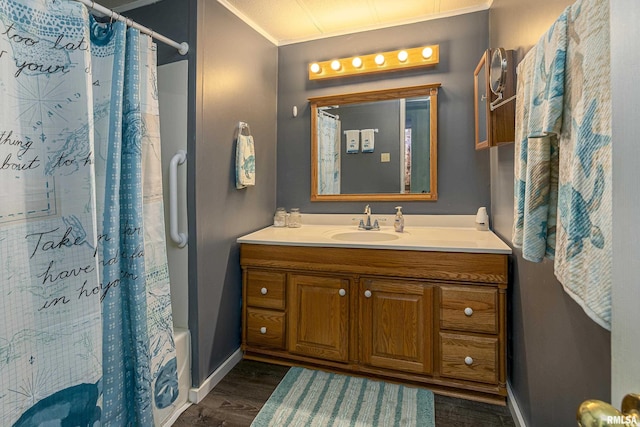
column 365, row 236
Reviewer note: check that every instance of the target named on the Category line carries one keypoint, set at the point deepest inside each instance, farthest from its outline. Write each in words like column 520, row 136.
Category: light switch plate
column 385, row 157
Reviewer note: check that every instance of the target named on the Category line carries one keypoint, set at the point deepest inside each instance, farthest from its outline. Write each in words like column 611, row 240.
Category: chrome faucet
column 367, row 225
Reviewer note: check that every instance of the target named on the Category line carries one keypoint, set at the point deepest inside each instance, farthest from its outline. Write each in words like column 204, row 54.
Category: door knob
column 342, row 292
column 263, row 330
column 468, row 311
column 468, row 360
column 367, row 293
column 596, row 413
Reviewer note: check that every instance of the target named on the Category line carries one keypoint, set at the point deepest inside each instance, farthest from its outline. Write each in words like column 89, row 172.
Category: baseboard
column 197, row 394
column 176, row 414
column 512, row 403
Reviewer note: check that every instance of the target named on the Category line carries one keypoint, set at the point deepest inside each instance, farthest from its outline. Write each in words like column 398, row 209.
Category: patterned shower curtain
column 328, row 154
column 85, row 326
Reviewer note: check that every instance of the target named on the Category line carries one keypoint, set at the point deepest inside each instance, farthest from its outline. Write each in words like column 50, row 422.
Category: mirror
column 375, row 146
column 498, row 71
column 481, row 103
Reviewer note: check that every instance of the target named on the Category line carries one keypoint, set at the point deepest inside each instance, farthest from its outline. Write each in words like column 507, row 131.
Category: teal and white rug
column 315, row 398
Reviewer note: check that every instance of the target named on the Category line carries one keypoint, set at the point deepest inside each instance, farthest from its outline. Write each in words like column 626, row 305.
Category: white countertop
column 443, row 233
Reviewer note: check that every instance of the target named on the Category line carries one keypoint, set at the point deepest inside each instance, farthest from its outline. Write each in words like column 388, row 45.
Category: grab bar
column 180, row 239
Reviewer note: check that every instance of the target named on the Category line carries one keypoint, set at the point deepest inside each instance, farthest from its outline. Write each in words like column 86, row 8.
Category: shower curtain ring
column 111, row 17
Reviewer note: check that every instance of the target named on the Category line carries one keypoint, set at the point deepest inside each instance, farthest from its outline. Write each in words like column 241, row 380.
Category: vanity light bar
column 394, row 60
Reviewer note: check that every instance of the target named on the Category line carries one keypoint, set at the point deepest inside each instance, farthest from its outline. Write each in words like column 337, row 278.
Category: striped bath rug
column 315, row 398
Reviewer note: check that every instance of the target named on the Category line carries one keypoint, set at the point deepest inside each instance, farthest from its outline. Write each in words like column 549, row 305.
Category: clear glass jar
column 295, row 218
column 280, row 218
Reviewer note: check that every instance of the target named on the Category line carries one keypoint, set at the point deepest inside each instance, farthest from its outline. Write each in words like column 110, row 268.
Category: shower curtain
column 85, row 317
column 328, row 154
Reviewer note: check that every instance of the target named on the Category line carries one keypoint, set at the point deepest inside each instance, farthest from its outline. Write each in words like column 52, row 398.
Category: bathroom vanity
column 427, row 306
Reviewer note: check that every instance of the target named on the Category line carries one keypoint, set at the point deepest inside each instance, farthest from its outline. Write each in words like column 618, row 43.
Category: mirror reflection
column 375, row 145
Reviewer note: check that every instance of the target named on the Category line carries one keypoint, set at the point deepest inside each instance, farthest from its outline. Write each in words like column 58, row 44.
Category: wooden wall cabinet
column 432, row 318
column 497, row 127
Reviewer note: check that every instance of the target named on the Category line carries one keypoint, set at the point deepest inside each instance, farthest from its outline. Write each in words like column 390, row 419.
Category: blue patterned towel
column 539, row 106
column 245, row 162
column 584, row 250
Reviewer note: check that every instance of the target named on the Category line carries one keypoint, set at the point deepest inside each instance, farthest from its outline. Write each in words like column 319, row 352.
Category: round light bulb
column 335, row 65
column 403, row 55
column 427, row 52
column 315, row 68
column 356, row 62
column 379, row 59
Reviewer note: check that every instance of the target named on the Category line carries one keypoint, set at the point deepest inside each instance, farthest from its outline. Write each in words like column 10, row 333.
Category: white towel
column 367, row 140
column 353, row 140
column 245, row 162
column 584, row 245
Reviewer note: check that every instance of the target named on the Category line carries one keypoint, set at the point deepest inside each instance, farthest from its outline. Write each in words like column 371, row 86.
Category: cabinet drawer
column 265, row 289
column 265, row 328
column 469, row 357
column 469, row 309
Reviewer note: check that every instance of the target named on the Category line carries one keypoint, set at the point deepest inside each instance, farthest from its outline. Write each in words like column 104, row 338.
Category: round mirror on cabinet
column 498, row 71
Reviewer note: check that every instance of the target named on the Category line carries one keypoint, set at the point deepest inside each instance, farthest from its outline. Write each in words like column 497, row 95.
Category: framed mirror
column 498, row 71
column 481, row 103
column 375, row 146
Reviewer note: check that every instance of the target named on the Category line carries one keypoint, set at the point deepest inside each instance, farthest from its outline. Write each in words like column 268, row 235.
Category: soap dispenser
column 398, row 222
column 482, row 220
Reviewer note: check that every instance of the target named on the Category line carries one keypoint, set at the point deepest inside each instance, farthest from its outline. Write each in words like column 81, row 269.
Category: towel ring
column 242, row 126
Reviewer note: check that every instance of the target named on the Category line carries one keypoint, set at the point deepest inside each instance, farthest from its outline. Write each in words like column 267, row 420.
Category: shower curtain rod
column 183, row 48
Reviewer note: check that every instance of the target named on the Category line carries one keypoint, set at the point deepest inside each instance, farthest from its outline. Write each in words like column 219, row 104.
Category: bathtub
column 183, row 354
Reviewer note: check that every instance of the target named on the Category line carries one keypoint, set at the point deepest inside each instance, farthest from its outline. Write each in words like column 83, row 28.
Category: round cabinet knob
column 263, row 291
column 468, row 361
column 468, row 311
column 367, row 293
column 342, row 292
column 263, row 330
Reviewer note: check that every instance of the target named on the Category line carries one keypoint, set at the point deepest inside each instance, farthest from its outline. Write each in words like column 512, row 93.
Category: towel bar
column 345, row 132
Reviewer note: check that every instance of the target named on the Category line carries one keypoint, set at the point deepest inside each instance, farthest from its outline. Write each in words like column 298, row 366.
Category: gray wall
column 363, row 172
column 232, row 79
column 558, row 357
column 235, row 81
column 463, row 173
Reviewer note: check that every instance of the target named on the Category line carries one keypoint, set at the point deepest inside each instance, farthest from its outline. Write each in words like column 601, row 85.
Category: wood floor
column 237, row 399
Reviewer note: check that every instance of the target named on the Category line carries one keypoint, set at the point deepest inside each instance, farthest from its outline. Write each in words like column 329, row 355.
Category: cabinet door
column 396, row 324
column 480, row 103
column 318, row 320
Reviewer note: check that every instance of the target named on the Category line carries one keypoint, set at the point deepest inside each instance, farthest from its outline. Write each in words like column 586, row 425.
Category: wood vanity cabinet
column 437, row 319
